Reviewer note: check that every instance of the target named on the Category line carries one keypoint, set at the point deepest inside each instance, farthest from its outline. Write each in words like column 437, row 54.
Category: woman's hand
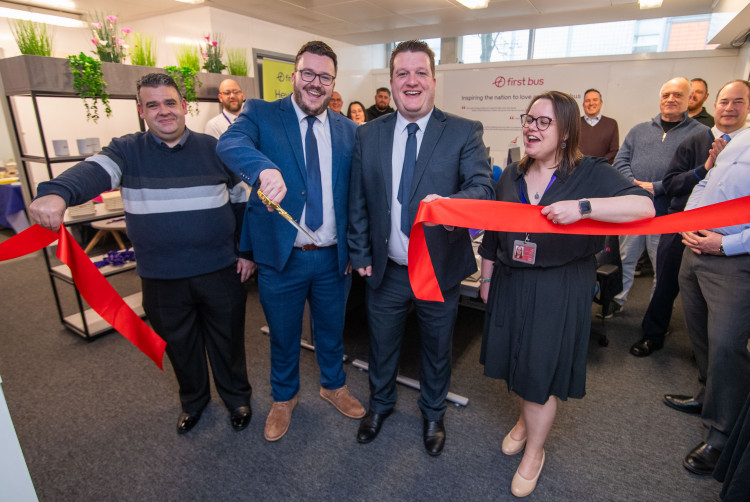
column 564, row 212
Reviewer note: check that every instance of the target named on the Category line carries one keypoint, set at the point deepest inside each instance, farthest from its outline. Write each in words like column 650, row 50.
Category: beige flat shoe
column 522, row 487
column 512, row 446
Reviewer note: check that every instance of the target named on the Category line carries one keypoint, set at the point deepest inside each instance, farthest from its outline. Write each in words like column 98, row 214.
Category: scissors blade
column 285, row 215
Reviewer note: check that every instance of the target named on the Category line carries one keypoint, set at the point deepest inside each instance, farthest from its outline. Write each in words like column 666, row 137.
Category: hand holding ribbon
column 94, row 288
column 512, row 217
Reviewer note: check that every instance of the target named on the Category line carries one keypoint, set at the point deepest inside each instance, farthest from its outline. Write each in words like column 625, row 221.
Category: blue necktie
column 407, row 173
column 314, row 204
column 726, row 137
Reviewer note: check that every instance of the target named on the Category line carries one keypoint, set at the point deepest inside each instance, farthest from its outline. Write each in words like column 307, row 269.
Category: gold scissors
column 286, row 215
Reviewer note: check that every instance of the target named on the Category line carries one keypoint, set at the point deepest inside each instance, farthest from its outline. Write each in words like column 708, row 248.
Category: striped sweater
column 183, row 206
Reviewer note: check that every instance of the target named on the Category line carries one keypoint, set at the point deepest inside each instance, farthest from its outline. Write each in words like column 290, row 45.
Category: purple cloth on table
column 11, row 202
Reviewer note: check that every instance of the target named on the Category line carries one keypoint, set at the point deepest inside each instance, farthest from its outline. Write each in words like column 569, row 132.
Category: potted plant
column 187, row 56
column 31, row 38
column 88, row 82
column 142, row 51
column 212, row 54
column 237, row 61
column 107, row 39
column 188, row 83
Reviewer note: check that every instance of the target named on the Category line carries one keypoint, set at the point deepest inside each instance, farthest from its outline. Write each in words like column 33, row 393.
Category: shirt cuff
column 733, row 245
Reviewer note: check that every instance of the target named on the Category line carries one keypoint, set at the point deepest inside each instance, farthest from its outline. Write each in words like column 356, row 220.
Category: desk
column 12, row 207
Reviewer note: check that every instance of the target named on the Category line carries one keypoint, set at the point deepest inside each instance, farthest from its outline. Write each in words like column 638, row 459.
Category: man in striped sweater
column 184, row 211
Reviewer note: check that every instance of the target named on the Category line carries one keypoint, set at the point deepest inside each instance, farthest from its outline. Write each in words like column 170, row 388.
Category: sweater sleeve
column 685, row 170
column 624, row 157
column 85, row 180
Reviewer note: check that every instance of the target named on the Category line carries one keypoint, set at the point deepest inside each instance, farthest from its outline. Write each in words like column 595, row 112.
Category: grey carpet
column 96, row 420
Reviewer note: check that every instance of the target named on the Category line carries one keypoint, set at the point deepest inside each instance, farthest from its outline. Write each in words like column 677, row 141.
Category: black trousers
column 387, row 308
column 198, row 316
column 659, row 312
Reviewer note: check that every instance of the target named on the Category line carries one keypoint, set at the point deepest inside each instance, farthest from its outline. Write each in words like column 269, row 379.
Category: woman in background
column 356, row 112
column 538, row 299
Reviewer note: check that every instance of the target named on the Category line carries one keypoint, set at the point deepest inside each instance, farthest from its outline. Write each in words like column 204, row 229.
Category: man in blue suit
column 418, row 154
column 299, row 155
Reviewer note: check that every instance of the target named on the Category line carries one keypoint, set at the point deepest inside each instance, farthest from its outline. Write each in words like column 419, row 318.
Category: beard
column 298, row 98
column 233, row 106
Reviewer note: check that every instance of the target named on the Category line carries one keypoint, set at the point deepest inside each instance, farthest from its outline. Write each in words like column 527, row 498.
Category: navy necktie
column 726, row 137
column 314, row 206
column 407, row 173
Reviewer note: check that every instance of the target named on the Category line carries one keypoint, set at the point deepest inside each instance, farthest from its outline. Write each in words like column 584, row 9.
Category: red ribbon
column 94, row 288
column 514, row 217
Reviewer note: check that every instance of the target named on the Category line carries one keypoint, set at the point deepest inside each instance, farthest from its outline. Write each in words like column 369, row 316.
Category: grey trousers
column 716, row 301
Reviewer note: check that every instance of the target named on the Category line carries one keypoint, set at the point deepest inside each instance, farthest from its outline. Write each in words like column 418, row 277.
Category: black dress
column 538, row 318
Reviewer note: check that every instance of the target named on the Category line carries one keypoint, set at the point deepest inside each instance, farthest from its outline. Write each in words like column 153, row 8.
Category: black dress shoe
column 240, row 417
column 702, row 459
column 685, row 404
column 645, row 346
column 434, row 436
column 187, row 421
column 370, row 426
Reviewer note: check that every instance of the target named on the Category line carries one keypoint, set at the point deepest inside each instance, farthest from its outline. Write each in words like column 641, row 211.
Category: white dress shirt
column 326, row 233
column 398, row 243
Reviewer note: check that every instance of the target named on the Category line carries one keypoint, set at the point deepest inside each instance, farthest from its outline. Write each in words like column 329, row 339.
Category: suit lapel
column 385, row 140
column 291, row 128
column 435, row 128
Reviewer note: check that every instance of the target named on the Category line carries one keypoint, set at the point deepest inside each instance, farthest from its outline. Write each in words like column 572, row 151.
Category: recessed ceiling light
column 649, row 4
column 191, row 1
column 474, row 4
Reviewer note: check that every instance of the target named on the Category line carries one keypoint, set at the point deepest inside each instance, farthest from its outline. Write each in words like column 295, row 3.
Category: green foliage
column 88, row 81
column 187, row 57
column 106, row 38
column 188, row 83
column 31, row 38
column 143, row 51
column 237, row 61
column 213, row 53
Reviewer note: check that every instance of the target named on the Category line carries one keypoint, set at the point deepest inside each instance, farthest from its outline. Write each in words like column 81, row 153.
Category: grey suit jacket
column 452, row 162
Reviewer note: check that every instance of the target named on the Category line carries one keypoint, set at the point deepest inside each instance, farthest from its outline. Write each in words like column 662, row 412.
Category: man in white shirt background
column 231, row 98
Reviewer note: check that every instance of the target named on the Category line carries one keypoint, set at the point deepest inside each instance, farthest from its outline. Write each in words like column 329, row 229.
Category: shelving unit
column 40, row 104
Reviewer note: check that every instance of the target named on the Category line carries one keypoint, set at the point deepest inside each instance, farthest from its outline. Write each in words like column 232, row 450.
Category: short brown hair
column 414, row 46
column 319, row 49
column 568, row 119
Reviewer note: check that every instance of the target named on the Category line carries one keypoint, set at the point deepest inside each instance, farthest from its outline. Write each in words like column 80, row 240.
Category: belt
column 312, row 247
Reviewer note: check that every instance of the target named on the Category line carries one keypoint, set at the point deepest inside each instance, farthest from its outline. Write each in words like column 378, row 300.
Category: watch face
column 584, row 206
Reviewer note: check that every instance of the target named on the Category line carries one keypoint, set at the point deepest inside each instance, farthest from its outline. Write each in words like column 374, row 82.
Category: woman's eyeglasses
column 542, row 123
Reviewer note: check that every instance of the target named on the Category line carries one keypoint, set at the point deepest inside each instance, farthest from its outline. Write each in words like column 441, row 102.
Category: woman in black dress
column 539, row 287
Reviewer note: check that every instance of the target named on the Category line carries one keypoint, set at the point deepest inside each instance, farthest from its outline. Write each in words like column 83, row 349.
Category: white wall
column 629, row 85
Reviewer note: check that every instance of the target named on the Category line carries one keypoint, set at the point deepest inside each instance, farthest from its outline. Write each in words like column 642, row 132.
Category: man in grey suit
column 418, row 154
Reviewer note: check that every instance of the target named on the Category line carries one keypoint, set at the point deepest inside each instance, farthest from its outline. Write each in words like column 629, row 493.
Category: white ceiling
column 362, row 22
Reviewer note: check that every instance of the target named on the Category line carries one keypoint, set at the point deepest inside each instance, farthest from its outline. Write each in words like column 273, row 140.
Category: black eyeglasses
column 227, row 93
column 542, row 123
column 309, row 76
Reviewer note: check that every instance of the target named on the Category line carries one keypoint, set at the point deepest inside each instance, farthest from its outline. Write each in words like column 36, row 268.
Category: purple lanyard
column 225, row 116
column 523, row 197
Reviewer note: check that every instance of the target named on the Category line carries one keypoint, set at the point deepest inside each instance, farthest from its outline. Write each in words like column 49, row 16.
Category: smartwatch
column 584, row 206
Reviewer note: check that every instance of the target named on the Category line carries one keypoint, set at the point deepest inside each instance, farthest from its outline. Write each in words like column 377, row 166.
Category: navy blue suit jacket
column 267, row 136
column 452, row 162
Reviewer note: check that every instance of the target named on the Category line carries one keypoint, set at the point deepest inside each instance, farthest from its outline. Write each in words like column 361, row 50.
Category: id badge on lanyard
column 525, row 250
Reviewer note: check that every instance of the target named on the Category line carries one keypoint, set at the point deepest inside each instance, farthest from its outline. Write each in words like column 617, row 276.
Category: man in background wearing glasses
column 299, row 155
column 231, row 98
